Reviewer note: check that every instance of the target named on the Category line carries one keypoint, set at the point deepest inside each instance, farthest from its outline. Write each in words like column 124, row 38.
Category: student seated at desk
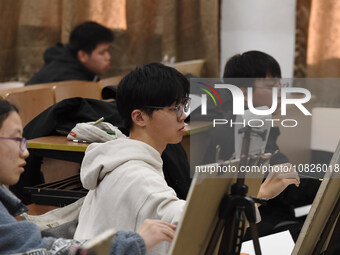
column 262, row 73
column 84, row 58
column 24, row 237
column 125, row 176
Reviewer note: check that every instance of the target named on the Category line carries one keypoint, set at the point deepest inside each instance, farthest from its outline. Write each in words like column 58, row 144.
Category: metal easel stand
column 235, row 209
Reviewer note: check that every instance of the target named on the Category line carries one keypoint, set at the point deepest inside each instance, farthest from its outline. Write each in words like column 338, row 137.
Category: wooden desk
column 35, row 209
column 59, row 153
column 196, row 127
column 58, row 143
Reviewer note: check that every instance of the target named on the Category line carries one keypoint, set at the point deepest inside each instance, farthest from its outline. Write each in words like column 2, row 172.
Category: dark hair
column 151, row 85
column 252, row 64
column 88, row 35
column 5, row 109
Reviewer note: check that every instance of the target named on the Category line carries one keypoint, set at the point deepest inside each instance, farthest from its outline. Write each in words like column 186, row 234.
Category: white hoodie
column 127, row 186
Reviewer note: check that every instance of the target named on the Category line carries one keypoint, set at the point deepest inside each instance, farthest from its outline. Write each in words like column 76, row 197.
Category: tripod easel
column 235, row 209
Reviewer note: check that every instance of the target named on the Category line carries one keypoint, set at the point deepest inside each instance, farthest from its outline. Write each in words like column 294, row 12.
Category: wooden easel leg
column 325, row 233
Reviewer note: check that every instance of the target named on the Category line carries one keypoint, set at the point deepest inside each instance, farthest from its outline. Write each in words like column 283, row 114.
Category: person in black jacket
column 263, row 72
column 86, row 56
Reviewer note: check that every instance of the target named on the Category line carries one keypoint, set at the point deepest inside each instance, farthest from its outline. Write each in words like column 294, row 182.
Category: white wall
column 264, row 25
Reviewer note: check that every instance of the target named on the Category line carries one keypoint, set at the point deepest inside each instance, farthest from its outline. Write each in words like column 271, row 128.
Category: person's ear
column 139, row 117
column 82, row 56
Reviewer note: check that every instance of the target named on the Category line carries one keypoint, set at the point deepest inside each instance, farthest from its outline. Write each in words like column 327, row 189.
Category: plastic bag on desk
column 97, row 131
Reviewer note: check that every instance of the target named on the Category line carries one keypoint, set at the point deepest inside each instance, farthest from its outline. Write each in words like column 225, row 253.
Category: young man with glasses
column 125, row 176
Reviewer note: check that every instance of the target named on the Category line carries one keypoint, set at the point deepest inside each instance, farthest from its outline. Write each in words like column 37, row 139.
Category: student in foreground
column 125, row 176
column 23, row 237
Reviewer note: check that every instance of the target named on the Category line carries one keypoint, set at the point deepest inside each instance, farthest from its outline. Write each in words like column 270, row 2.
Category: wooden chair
column 86, row 89
column 194, row 67
column 30, row 102
column 111, row 81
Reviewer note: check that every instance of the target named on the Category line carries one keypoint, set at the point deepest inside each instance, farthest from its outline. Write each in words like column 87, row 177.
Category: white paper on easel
column 280, row 243
column 258, row 123
column 302, row 211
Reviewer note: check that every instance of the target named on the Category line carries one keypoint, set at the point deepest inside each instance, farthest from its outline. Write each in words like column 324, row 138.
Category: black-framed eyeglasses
column 180, row 109
column 22, row 141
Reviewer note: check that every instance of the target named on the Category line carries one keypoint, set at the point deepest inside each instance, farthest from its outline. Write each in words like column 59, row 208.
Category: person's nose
column 108, row 56
column 183, row 117
column 25, row 153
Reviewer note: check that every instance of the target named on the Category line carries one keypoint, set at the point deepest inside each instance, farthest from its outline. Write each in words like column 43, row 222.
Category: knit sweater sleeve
column 125, row 243
column 128, row 243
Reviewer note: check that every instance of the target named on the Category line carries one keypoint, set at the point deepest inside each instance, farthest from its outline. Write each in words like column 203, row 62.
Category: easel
column 335, row 235
column 207, row 190
column 235, row 208
column 318, row 235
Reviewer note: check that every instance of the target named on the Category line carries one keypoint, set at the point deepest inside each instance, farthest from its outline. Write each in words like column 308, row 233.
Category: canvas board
column 321, row 209
column 200, row 214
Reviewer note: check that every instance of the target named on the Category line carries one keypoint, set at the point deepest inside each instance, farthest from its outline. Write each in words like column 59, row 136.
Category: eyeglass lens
column 183, row 108
column 179, row 111
column 23, row 144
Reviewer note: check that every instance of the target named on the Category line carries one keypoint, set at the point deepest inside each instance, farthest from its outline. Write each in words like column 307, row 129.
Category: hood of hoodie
column 103, row 158
column 61, row 53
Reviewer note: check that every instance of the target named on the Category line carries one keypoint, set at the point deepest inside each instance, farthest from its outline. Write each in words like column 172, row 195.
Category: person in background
column 24, row 237
column 84, row 58
column 262, row 72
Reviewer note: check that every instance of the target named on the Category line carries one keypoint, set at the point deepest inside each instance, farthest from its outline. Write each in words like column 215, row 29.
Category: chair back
column 194, row 67
column 34, row 99
column 111, row 81
column 30, row 102
column 86, row 89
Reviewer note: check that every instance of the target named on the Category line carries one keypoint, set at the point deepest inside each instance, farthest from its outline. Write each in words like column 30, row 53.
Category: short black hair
column 151, row 85
column 88, row 35
column 252, row 64
column 5, row 109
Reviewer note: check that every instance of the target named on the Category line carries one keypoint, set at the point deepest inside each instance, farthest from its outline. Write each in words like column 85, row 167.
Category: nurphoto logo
column 238, row 99
column 244, row 101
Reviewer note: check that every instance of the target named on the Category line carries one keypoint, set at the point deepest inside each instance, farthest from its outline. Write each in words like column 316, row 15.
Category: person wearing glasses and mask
column 24, row 237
